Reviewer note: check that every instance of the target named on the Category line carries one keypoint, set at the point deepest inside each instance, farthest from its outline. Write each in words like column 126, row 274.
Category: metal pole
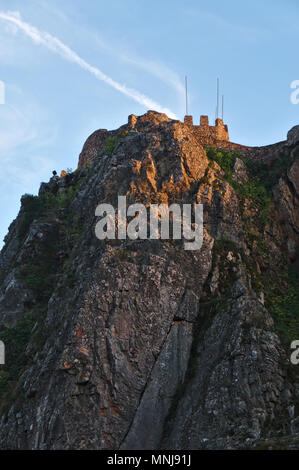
column 186, row 86
column 222, row 107
column 217, row 99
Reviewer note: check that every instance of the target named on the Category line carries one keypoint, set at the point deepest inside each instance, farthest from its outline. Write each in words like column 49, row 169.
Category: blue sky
column 55, row 100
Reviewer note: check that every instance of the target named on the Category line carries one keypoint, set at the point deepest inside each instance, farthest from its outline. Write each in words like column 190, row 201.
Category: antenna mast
column 217, row 108
column 186, row 87
column 222, row 107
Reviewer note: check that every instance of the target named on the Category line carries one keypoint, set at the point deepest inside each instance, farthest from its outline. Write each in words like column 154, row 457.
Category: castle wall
column 188, row 120
column 207, row 134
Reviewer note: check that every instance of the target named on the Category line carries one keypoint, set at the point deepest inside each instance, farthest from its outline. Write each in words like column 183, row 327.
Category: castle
column 208, row 134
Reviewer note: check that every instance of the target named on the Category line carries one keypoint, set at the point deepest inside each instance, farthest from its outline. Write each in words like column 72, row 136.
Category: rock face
column 141, row 344
column 293, row 136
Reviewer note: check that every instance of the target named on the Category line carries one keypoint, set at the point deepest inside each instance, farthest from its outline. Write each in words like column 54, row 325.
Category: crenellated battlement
column 208, row 134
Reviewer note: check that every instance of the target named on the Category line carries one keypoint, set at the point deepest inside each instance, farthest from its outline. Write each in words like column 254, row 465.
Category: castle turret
column 221, row 130
column 188, row 120
column 204, row 121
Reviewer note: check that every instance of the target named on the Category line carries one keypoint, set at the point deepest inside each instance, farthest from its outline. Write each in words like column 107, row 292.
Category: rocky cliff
column 141, row 344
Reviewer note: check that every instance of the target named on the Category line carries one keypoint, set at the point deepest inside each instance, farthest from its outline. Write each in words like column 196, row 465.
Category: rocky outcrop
column 293, row 136
column 94, row 144
column 141, row 344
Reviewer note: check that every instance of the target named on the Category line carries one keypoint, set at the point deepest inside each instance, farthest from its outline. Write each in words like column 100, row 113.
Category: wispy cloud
column 55, row 45
column 22, row 121
column 232, row 29
column 157, row 69
column 15, row 130
column 50, row 8
column 23, row 127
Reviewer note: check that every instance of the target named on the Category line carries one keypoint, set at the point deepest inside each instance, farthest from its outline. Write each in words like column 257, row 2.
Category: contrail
column 55, row 45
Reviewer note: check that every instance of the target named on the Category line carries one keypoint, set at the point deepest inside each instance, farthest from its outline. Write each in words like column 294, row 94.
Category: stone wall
column 208, row 134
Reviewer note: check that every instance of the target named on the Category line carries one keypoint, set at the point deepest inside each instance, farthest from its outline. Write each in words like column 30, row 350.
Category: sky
column 69, row 68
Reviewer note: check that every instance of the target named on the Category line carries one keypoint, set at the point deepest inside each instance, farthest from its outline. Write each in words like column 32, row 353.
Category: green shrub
column 224, row 159
column 269, row 176
column 255, row 188
column 33, row 208
column 40, row 277
column 111, row 144
column 283, row 304
column 64, row 198
column 46, row 206
column 16, row 340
